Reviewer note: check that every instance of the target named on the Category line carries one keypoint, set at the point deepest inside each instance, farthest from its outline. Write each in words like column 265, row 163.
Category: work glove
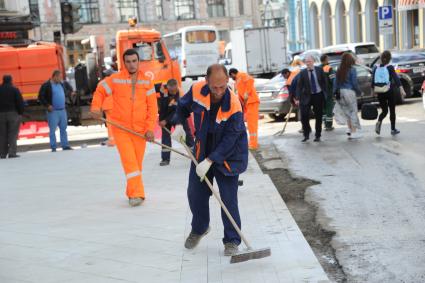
column 179, row 134
column 202, row 168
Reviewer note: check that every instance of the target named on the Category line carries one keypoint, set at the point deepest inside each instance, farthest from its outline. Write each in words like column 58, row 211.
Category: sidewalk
column 64, row 217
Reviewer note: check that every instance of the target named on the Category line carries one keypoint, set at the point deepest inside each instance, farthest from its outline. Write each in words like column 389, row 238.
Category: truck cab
column 155, row 60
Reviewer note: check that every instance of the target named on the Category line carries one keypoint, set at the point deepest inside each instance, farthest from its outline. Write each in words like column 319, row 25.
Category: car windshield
column 366, row 49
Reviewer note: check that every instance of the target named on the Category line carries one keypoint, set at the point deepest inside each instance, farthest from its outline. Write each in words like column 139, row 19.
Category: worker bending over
column 169, row 96
column 248, row 97
column 221, row 149
column 134, row 107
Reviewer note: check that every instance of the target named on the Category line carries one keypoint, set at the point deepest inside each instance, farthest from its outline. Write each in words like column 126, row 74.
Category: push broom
column 242, row 256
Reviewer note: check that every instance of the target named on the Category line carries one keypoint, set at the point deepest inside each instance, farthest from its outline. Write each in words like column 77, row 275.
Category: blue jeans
column 58, row 118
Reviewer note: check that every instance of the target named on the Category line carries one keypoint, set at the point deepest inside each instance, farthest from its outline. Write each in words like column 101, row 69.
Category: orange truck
column 155, row 60
column 30, row 67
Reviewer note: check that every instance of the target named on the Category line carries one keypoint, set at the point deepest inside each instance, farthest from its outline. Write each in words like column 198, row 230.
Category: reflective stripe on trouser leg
column 252, row 120
column 131, row 150
column 329, row 106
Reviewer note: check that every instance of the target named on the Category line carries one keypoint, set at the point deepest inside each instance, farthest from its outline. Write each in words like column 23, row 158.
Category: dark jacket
column 229, row 142
column 11, row 99
column 304, row 87
column 167, row 106
column 45, row 92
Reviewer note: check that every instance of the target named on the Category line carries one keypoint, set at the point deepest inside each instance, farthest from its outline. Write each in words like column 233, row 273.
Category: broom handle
column 142, row 136
column 287, row 119
column 217, row 196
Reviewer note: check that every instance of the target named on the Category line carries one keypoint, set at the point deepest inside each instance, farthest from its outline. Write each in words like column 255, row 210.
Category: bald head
column 217, row 79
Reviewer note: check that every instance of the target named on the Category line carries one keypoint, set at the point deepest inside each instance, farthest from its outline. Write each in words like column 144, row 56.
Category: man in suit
column 312, row 88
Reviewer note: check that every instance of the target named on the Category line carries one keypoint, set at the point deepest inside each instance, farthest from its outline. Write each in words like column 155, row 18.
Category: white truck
column 261, row 52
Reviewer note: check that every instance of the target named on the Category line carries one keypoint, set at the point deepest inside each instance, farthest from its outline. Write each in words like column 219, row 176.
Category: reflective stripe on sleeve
column 150, row 92
column 106, row 87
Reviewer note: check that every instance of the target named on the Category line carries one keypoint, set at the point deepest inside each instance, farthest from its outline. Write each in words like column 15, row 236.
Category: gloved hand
column 202, row 168
column 179, row 134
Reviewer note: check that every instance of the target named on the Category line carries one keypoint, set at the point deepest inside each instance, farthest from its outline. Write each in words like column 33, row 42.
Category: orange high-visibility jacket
column 245, row 84
column 107, row 101
column 134, row 106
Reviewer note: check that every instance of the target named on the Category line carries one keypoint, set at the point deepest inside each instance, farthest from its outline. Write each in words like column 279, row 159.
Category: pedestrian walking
column 346, row 89
column 329, row 105
column 221, row 149
column 134, row 107
column 312, row 87
column 248, row 96
column 384, row 82
column 11, row 109
column 52, row 95
column 169, row 97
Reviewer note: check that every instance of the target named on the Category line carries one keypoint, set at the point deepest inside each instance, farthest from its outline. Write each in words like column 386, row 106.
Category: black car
column 410, row 66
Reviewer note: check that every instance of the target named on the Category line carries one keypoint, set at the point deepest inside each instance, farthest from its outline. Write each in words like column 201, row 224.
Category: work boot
column 164, row 163
column 53, row 149
column 135, row 201
column 230, row 249
column 13, row 156
column 378, row 127
column 193, row 239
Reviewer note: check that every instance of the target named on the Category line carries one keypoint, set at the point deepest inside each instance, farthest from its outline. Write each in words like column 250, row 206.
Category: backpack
column 382, row 80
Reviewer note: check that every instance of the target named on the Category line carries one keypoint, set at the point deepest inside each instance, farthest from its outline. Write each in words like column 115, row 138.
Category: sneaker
column 355, row 135
column 53, row 149
column 395, row 132
column 230, row 249
column 378, row 127
column 329, row 129
column 164, row 163
column 135, row 201
column 193, row 239
column 67, row 148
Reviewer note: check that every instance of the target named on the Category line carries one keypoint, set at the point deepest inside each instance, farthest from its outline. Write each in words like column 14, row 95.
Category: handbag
column 369, row 111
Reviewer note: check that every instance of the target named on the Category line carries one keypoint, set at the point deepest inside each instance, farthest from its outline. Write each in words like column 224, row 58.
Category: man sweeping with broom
column 221, row 149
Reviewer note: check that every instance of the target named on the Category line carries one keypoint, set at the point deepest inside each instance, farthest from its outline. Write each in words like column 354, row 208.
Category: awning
column 405, row 5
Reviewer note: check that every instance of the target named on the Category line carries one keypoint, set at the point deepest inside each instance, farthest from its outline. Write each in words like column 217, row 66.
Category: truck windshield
column 201, row 36
column 148, row 51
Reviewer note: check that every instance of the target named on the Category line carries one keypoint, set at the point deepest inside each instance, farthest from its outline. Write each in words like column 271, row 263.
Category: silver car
column 274, row 97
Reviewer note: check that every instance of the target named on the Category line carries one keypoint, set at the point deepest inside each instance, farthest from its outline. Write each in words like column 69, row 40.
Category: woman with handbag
column 384, row 82
column 346, row 89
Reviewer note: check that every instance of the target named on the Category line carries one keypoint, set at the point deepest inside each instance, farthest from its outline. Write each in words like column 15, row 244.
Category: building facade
column 347, row 21
column 106, row 17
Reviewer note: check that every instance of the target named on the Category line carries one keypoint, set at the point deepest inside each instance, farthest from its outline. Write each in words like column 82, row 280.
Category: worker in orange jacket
column 244, row 86
column 134, row 106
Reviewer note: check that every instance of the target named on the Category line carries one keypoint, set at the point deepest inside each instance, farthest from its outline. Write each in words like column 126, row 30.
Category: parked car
column 423, row 93
column 365, row 52
column 274, row 97
column 410, row 66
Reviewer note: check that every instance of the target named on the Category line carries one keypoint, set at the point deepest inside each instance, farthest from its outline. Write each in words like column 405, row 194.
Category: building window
column 2, row 6
column 215, row 8
column 128, row 9
column 34, row 11
column 184, row 9
column 159, row 10
column 89, row 11
column 76, row 51
column 241, row 8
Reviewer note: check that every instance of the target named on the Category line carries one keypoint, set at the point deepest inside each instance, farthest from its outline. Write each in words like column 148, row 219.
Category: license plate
column 265, row 94
column 418, row 69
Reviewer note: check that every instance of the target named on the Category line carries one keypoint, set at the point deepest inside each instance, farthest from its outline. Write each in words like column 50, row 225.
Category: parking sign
column 385, row 16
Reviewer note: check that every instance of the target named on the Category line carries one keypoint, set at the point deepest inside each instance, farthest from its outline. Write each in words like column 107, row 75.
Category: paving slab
column 64, row 217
